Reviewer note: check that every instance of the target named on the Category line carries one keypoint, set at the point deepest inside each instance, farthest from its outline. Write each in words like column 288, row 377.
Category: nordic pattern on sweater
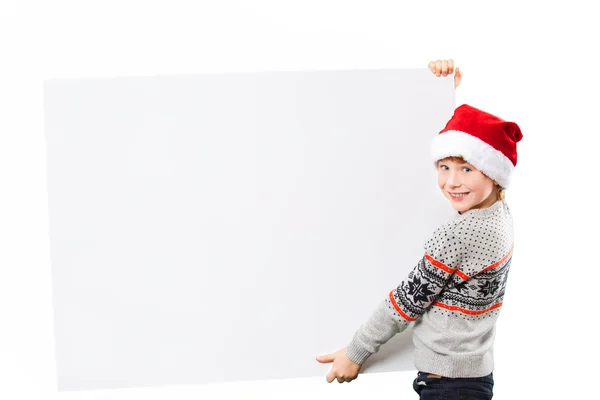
column 456, row 289
column 439, row 274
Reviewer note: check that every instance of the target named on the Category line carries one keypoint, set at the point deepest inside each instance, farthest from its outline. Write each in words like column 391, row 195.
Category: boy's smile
column 465, row 186
column 458, row 196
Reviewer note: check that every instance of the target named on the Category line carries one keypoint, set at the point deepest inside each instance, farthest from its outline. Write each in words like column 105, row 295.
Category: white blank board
column 226, row 227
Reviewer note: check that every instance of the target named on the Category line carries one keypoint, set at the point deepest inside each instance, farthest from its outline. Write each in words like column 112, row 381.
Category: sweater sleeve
column 411, row 298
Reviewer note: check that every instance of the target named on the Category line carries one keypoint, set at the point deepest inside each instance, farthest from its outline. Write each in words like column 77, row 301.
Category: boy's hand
column 445, row 67
column 343, row 369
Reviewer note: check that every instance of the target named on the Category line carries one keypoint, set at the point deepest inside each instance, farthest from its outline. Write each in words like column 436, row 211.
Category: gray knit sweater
column 453, row 296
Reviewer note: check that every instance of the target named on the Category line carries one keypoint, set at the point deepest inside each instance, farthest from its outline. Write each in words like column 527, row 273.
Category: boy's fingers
column 330, row 376
column 444, row 68
column 450, row 66
column 325, row 359
column 340, row 380
column 438, row 67
column 432, row 66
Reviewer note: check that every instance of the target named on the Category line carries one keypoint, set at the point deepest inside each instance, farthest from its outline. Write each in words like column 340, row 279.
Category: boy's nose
column 453, row 179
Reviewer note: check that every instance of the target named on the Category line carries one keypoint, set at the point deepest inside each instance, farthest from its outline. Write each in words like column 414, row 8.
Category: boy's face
column 464, row 186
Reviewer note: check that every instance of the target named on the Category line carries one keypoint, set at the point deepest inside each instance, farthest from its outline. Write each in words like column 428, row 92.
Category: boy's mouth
column 458, row 196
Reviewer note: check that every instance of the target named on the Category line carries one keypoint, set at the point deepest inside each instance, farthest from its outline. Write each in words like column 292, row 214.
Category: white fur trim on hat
column 475, row 151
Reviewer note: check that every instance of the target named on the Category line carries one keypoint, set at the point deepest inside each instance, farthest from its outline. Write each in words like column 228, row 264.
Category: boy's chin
column 460, row 207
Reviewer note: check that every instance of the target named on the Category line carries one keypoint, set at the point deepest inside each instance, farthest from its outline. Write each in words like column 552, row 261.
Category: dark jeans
column 432, row 387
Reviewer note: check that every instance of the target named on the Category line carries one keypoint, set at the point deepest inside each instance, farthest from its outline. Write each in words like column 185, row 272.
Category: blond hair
column 500, row 194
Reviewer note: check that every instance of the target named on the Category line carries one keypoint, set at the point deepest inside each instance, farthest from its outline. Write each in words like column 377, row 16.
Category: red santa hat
column 482, row 139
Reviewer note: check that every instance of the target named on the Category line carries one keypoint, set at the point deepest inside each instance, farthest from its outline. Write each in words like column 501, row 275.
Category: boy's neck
column 487, row 203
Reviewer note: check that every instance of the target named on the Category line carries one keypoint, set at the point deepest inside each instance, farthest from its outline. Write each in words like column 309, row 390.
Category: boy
column 455, row 293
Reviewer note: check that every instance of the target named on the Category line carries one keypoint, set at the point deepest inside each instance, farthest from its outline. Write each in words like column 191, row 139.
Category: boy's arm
column 412, row 297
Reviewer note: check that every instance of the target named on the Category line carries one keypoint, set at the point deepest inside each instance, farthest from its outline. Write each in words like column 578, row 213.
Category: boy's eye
column 444, row 167
column 467, row 169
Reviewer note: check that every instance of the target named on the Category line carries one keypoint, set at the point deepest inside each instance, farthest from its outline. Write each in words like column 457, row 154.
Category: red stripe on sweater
column 462, row 275
column 494, row 265
column 465, row 311
column 438, row 264
column 397, row 307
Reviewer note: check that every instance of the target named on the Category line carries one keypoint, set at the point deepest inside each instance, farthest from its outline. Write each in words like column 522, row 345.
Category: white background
column 534, row 64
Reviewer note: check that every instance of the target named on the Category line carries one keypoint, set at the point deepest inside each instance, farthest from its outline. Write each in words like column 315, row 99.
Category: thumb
column 330, row 376
column 326, row 358
column 457, row 77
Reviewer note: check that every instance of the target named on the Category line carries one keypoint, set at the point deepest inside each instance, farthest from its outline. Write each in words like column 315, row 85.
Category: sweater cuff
column 356, row 353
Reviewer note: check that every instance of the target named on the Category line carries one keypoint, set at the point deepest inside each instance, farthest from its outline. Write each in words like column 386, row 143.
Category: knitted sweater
column 453, row 296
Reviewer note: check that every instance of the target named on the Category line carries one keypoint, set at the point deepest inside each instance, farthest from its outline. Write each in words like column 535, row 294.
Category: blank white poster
column 227, row 227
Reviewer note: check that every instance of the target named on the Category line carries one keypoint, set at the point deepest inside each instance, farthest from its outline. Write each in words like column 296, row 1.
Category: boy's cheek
column 441, row 180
